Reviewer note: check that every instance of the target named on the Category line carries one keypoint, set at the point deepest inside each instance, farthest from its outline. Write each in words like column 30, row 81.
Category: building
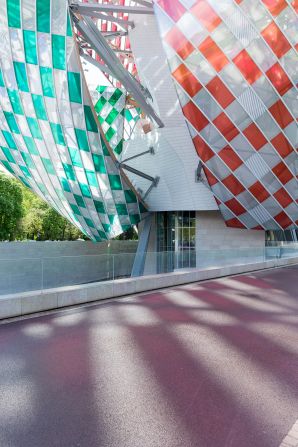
column 203, row 150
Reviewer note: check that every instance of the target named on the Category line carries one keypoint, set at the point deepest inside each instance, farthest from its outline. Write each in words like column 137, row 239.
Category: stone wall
column 213, row 234
column 217, row 245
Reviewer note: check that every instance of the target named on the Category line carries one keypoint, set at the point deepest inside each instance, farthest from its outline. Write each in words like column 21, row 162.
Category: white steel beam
column 84, row 8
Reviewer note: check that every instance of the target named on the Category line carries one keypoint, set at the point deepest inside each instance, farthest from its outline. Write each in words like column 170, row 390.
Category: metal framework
column 154, row 180
column 98, row 43
column 91, row 37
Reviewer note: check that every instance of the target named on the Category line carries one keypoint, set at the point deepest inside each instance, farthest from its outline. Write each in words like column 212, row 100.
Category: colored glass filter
column 234, row 65
column 50, row 137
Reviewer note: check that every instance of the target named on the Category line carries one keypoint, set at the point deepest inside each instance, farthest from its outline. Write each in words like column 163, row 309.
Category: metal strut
column 154, row 180
column 149, row 151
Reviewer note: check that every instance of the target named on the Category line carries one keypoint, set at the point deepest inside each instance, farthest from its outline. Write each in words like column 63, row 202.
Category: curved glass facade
column 49, row 134
column 234, row 64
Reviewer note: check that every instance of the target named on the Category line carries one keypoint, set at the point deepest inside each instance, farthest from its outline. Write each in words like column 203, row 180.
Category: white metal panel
column 175, row 161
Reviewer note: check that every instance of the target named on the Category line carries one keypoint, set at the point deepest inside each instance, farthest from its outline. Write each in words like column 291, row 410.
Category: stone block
column 39, row 302
column 10, row 307
column 70, row 296
column 99, row 291
column 124, row 287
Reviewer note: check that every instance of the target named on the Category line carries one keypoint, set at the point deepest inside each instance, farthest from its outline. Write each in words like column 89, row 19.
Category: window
column 176, row 239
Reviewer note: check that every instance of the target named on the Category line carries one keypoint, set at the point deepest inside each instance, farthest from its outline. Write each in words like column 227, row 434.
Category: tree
column 129, row 235
column 11, row 210
column 32, row 223
column 44, row 223
column 57, row 227
column 23, row 215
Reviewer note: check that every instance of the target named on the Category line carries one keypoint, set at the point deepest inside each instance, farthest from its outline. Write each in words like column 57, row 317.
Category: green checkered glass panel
column 49, row 137
column 117, row 120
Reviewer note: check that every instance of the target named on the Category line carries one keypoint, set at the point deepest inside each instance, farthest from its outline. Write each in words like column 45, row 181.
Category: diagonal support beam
column 139, row 173
column 113, row 34
column 149, row 151
column 83, row 8
column 140, row 257
column 146, row 3
column 125, row 24
column 97, row 41
column 119, row 51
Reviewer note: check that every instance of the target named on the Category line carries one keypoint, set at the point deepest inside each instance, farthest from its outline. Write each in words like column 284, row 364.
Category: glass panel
column 15, row 101
column 185, row 241
column 82, row 139
column 13, row 13
column 21, row 76
column 47, row 81
column 43, row 12
column 39, row 107
column 58, row 51
column 186, row 218
column 74, row 87
column 30, row 47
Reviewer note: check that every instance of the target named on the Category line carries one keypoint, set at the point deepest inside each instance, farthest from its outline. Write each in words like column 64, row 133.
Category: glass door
column 185, row 241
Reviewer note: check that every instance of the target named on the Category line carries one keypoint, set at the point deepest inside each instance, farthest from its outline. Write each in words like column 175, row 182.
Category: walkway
column 211, row 364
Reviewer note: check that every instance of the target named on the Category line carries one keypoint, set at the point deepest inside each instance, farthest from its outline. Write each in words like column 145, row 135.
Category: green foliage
column 23, row 215
column 11, row 210
column 44, row 223
column 128, row 235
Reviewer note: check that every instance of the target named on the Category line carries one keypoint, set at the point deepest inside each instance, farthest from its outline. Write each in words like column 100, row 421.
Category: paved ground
column 212, row 364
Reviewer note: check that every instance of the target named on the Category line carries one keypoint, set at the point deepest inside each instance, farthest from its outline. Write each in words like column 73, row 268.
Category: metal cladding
column 234, row 64
column 50, row 138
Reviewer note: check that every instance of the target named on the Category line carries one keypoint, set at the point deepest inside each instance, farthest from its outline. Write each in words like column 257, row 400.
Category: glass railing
column 31, row 274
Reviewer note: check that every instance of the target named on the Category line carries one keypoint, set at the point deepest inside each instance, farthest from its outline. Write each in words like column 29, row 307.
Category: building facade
column 193, row 119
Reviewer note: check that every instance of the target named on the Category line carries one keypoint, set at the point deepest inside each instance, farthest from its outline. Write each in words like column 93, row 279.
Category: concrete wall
column 216, row 244
column 213, row 234
column 26, row 266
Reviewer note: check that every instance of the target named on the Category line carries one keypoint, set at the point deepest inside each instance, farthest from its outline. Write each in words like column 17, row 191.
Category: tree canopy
column 23, row 215
column 11, row 209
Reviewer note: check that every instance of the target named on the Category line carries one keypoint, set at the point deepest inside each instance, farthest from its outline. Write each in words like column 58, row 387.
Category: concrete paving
column 210, row 364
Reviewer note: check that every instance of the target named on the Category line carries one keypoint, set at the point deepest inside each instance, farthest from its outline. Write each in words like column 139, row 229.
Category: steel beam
column 83, row 8
column 148, row 4
column 140, row 256
column 149, row 151
column 113, row 34
column 119, row 51
column 137, row 172
column 125, row 24
column 153, row 185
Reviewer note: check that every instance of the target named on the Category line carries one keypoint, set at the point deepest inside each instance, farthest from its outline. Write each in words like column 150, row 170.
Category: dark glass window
column 176, row 240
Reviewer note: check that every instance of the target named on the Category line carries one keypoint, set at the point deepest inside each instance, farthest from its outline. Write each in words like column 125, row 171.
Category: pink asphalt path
column 211, row 364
